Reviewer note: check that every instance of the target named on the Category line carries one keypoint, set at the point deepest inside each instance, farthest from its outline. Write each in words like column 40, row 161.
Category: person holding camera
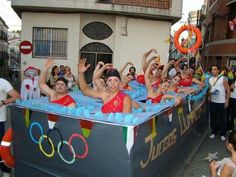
column 219, row 93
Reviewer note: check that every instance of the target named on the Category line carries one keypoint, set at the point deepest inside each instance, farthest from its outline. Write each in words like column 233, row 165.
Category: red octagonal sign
column 26, row 47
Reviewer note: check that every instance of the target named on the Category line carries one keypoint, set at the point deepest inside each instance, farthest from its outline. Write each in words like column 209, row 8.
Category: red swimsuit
column 157, row 83
column 156, row 99
column 65, row 101
column 186, row 82
column 116, row 104
column 126, row 87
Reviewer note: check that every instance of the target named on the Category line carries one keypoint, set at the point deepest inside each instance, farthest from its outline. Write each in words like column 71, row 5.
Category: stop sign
column 26, row 47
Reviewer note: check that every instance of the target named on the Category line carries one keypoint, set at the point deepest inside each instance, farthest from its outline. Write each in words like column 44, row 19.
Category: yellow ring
column 51, row 144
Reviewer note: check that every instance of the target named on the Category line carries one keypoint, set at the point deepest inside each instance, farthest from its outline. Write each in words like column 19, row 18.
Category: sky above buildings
column 14, row 22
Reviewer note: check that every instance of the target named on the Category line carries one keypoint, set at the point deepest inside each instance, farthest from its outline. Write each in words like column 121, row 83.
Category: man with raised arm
column 59, row 95
column 113, row 99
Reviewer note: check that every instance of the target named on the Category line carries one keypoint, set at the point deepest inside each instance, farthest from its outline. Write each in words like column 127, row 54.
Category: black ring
column 59, row 133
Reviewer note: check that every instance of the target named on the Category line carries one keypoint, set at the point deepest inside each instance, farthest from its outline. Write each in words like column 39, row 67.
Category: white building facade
column 111, row 31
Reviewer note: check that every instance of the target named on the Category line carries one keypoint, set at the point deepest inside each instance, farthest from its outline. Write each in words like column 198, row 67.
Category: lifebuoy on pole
column 5, row 149
column 198, row 39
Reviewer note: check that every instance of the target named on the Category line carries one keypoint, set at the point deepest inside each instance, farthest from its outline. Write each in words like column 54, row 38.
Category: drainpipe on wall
column 124, row 28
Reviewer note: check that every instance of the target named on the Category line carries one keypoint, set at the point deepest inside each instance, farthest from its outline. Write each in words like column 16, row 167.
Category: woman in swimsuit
column 157, row 95
column 58, row 95
column 113, row 99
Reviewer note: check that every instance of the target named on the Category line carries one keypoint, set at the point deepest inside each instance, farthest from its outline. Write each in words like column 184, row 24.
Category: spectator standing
column 219, row 98
column 5, row 90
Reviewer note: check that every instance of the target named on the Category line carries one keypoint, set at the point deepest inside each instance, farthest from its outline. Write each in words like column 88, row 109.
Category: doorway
column 95, row 52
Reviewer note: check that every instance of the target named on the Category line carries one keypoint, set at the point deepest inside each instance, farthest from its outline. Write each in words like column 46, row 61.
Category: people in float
column 166, row 68
column 188, row 79
column 7, row 95
column 132, row 71
column 219, row 93
column 58, row 95
column 145, row 63
column 69, row 77
column 125, row 83
column 62, row 71
column 171, row 70
column 99, row 81
column 227, row 166
column 184, row 67
column 187, row 74
column 174, row 86
column 231, row 110
column 157, row 95
column 114, row 100
column 53, row 76
column 98, row 78
column 126, row 79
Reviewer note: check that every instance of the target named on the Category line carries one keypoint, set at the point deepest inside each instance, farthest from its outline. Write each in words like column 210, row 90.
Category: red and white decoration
column 30, row 86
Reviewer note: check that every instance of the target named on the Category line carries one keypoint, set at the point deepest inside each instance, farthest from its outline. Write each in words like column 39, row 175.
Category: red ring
column 85, row 143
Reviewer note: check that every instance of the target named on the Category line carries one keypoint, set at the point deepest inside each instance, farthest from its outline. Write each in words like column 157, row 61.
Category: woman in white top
column 69, row 76
column 227, row 166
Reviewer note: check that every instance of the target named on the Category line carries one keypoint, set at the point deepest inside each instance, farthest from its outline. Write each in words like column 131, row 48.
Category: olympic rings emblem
column 60, row 144
column 85, row 143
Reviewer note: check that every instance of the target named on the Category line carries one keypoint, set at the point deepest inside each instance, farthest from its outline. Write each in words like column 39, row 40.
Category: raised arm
column 124, row 67
column 202, row 84
column 177, row 68
column 144, row 58
column 96, row 73
column 147, row 77
column 166, row 67
column 82, row 83
column 100, row 68
column 43, row 76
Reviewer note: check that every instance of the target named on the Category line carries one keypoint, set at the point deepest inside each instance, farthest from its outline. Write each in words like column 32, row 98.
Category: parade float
column 52, row 140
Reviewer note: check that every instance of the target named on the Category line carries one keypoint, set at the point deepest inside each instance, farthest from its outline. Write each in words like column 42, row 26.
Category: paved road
column 198, row 166
column 190, row 161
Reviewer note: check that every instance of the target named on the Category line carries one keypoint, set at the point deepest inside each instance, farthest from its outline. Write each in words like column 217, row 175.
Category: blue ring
column 30, row 131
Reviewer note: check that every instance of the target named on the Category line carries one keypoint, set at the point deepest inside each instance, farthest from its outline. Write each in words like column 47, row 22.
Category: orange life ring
column 195, row 46
column 5, row 150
